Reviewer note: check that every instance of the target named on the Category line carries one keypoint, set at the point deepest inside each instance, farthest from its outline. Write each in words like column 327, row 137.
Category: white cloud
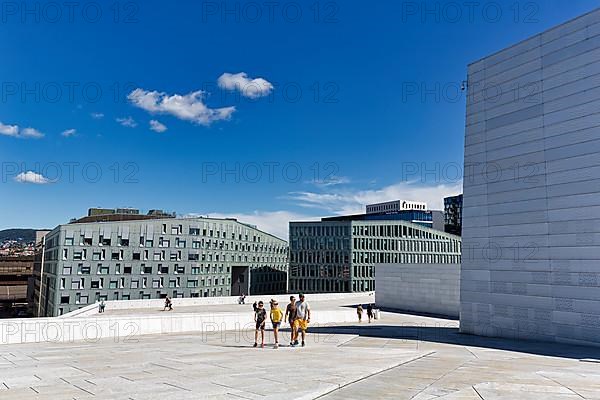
column 127, row 122
column 32, row 177
column 17, row 132
column 331, row 181
column 9, row 130
column 274, row 222
column 188, row 107
column 346, row 201
column 157, row 126
column 69, row 132
column 97, row 115
column 251, row 88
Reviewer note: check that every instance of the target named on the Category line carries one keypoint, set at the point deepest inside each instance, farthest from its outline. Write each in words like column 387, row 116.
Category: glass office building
column 339, row 254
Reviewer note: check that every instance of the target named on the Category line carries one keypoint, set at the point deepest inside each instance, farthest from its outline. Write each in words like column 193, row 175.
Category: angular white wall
column 531, row 214
column 420, row 288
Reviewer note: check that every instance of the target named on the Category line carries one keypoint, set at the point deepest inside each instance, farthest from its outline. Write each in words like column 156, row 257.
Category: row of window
column 144, row 282
column 145, row 255
column 144, row 269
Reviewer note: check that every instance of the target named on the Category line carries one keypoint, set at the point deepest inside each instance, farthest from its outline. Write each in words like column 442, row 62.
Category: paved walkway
column 233, row 308
column 401, row 357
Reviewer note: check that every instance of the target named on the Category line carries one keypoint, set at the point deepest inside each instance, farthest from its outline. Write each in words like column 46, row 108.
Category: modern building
column 134, row 256
column 453, row 214
column 398, row 210
column 395, row 206
column 15, row 274
column 531, row 216
column 339, row 255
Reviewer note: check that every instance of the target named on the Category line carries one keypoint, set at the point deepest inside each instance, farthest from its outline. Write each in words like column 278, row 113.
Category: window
column 163, row 269
column 147, row 269
column 179, row 269
column 84, row 299
column 195, row 231
column 103, row 269
column 77, row 256
column 124, row 242
column 95, row 284
column 114, row 256
column 180, row 243
column 149, row 243
column 195, row 245
column 112, row 285
column 68, row 241
column 126, row 297
column 195, row 270
column 157, row 257
column 66, row 271
column 83, row 269
column 87, row 241
column 192, row 283
column 135, row 284
column 65, row 299
column 106, row 242
column 127, row 269
column 193, row 257
column 137, row 256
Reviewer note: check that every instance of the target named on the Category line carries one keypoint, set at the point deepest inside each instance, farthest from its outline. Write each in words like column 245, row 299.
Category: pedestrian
column 302, row 319
column 168, row 304
column 370, row 312
column 359, row 311
column 260, row 317
column 101, row 306
column 290, row 316
column 276, row 317
column 242, row 299
column 255, row 306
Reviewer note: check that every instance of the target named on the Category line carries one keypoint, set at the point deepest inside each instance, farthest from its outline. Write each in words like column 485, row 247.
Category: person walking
column 101, row 306
column 290, row 316
column 168, row 304
column 276, row 316
column 370, row 312
column 260, row 317
column 302, row 319
column 359, row 311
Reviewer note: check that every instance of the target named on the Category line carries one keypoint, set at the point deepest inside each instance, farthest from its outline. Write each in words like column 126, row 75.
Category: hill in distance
column 20, row 235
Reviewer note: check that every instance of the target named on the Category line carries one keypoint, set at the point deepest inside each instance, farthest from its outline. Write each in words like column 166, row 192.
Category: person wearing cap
column 260, row 317
column 276, row 316
column 302, row 319
column 290, row 316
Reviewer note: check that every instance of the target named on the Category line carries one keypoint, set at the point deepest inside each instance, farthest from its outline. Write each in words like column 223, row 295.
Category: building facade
column 395, row 206
column 15, row 277
column 453, row 214
column 340, row 255
column 154, row 257
column 531, row 222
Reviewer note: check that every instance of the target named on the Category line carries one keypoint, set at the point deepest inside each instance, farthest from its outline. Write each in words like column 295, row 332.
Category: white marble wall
column 421, row 288
column 531, row 214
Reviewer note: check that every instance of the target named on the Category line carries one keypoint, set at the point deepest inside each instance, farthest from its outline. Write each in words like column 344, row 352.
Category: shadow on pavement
column 451, row 335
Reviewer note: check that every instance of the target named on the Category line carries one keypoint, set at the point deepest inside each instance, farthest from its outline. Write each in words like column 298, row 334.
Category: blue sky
column 314, row 108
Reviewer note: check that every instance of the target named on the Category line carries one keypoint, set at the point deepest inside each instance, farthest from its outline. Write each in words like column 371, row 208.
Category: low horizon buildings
column 131, row 256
